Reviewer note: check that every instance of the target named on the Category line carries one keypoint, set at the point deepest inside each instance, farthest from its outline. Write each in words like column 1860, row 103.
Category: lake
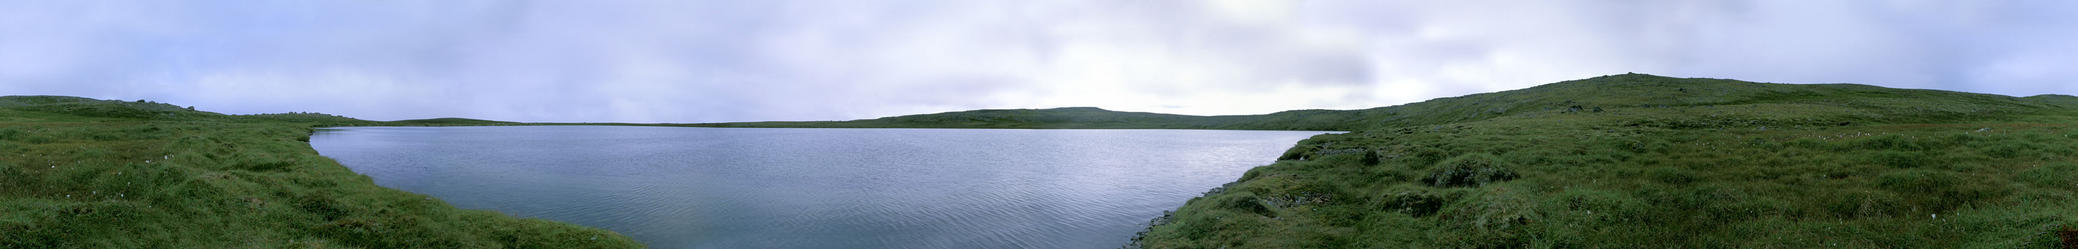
column 673, row 187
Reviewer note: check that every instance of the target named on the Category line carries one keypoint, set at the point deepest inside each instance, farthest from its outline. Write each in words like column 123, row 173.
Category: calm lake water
column 675, row 187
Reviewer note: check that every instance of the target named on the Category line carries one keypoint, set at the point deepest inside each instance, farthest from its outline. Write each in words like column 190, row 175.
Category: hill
column 1619, row 161
column 1818, row 102
column 85, row 107
column 446, row 122
column 1642, row 161
column 85, row 173
column 1075, row 118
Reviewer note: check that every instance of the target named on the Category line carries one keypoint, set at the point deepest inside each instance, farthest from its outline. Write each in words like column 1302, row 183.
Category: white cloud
column 707, row 61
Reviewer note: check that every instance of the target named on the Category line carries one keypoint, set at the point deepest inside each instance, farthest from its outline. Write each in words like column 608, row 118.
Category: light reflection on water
column 815, row 188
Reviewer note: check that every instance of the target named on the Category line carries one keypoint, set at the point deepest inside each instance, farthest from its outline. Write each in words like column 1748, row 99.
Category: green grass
column 83, row 173
column 1668, row 163
column 1621, row 161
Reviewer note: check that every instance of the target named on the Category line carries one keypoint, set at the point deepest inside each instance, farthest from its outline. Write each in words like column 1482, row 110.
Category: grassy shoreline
column 78, row 173
column 1621, row 161
column 1638, row 161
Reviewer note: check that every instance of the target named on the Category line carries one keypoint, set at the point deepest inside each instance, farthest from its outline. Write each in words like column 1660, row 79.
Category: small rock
column 1985, row 129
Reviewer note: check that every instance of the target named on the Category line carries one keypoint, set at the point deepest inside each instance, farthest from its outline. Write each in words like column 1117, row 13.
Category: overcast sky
column 712, row 61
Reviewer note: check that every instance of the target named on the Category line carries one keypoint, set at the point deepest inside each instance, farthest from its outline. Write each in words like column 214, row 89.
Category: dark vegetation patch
column 1469, row 170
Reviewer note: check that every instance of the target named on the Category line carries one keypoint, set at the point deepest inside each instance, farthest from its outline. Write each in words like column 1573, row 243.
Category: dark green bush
column 2008, row 149
column 10, row 133
column 1496, row 218
column 264, row 163
column 1413, row 200
column 1243, row 202
column 1900, row 159
column 1469, row 170
column 1421, row 156
column 1672, row 175
column 1890, row 142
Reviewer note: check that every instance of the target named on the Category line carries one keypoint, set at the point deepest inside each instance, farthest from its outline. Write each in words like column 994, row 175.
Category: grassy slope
column 1667, row 162
column 83, row 173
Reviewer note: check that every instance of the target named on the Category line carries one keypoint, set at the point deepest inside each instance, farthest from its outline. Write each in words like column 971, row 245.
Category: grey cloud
column 708, row 61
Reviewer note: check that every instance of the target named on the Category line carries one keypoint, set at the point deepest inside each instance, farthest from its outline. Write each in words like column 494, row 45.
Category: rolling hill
column 1642, row 161
column 1076, row 118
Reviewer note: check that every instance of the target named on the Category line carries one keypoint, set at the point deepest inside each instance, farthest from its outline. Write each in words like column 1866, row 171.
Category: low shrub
column 1900, row 159
column 1672, row 175
column 1496, row 218
column 1469, row 170
column 1413, row 200
column 1890, row 142
column 1243, row 202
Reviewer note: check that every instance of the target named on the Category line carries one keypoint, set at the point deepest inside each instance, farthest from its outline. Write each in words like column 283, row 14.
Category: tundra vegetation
column 84, row 173
column 1620, row 161
column 1641, row 161
column 1628, row 161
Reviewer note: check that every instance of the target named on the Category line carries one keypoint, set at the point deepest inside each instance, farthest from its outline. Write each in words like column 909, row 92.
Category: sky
column 719, row 61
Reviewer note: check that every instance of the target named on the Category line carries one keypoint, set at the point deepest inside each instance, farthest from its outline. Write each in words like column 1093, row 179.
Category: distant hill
column 2066, row 101
column 1626, row 161
column 86, row 107
column 447, row 122
column 1617, row 161
column 1075, row 118
column 1614, row 93
column 102, row 108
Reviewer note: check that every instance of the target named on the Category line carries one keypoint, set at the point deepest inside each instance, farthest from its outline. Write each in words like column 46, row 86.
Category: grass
column 83, row 173
column 1668, row 163
column 1621, row 161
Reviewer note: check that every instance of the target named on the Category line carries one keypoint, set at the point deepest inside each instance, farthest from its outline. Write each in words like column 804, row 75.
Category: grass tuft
column 1469, row 170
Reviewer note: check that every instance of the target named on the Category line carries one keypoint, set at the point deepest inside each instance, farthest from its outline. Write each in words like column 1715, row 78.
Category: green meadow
column 1640, row 161
column 1620, row 161
column 83, row 173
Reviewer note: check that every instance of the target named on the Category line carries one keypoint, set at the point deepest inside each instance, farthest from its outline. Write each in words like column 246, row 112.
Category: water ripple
column 815, row 188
